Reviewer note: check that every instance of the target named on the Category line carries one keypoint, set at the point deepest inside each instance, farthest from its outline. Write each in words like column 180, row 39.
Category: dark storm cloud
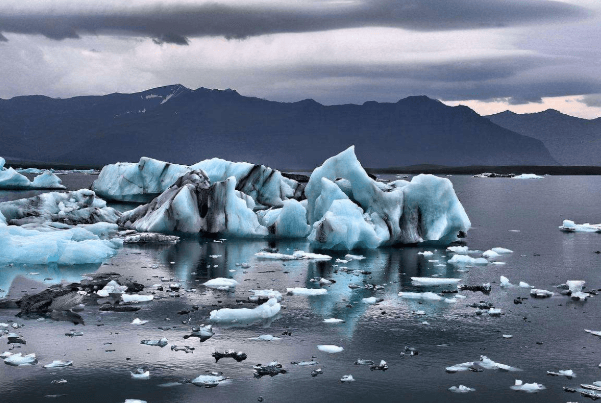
column 176, row 23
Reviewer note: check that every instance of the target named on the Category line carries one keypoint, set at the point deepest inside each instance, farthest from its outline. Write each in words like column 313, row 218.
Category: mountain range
column 181, row 125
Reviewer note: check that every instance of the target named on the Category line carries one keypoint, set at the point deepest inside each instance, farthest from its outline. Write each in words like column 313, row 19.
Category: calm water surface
column 543, row 257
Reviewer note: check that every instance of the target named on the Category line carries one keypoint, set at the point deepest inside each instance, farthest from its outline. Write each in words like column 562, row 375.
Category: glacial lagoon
column 521, row 215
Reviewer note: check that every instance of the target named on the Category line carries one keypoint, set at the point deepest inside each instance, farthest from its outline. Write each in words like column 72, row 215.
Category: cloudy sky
column 492, row 55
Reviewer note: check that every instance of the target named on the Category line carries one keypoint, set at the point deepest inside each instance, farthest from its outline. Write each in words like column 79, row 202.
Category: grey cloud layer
column 175, row 24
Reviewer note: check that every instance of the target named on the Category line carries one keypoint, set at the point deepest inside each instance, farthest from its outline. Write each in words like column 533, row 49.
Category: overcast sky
column 492, row 55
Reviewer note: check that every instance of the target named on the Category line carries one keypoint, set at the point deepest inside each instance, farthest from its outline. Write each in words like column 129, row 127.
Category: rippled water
column 548, row 335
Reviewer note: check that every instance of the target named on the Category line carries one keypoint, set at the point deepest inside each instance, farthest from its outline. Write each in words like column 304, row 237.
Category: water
column 543, row 256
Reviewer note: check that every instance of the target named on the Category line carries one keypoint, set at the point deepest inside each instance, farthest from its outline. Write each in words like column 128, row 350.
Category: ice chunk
column 59, row 364
column 260, row 295
column 570, row 226
column 329, row 348
column 306, row 291
column 140, row 374
column 434, row 281
column 112, row 287
column 594, row 332
column 139, row 322
column 333, row 320
column 502, row 251
column 505, row 282
column 136, row 298
column 462, row 260
column 162, row 342
column 460, row 250
column 208, row 380
column 242, row 315
column 490, row 255
column 461, row 389
column 265, row 337
column 527, row 387
column 568, row 373
column 370, row 300
column 524, row 285
column 426, row 253
column 354, row 257
column 289, row 221
column 347, row 378
column 11, row 179
column 297, row 255
column 221, row 283
column 47, row 180
column 528, row 176
column 538, row 293
column 575, row 285
column 19, row 359
column 429, row 296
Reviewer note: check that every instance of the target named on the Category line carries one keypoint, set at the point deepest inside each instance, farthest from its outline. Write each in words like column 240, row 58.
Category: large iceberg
column 70, row 208
column 148, row 178
column 344, row 208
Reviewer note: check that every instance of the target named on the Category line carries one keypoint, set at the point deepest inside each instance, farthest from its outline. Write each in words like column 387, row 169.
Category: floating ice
column 306, row 291
column 162, row 342
column 139, row 322
column 502, row 251
column 568, row 373
column 594, row 332
column 329, row 348
column 462, row 260
column 59, row 364
column 297, row 255
column 208, row 380
column 136, row 298
column 485, row 363
column 112, row 287
column 370, row 300
column 505, row 282
column 528, row 176
column 429, row 296
column 461, row 389
column 490, row 255
column 333, row 320
column 265, row 337
column 434, row 281
column 260, row 295
column 523, row 284
column 527, row 387
column 11, row 179
column 221, row 283
column 575, row 285
column 19, row 359
column 347, row 378
column 570, row 226
column 426, row 253
column 354, row 257
column 460, row 250
column 538, row 293
column 140, row 374
column 264, row 311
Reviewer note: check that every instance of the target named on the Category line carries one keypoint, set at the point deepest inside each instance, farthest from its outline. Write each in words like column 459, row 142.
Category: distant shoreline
column 410, row 170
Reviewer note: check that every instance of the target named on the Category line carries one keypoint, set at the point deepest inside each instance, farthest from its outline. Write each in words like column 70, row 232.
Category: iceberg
column 220, row 283
column 18, row 359
column 13, row 180
column 47, row 180
column 571, row 226
column 527, row 387
column 244, row 315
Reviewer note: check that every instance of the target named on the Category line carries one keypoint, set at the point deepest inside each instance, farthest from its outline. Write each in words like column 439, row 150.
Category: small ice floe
column 426, row 296
column 333, row 320
column 507, row 336
column 505, row 282
column 461, row 389
column 538, row 293
column 364, row 362
column 476, row 366
column 434, row 281
column 138, row 322
column 185, row 349
column 135, row 298
column 347, row 379
column 208, row 381
column 151, row 237
column 263, row 311
column 528, row 176
column 73, row 333
column 59, row 364
column 264, row 295
column 382, row 366
column 354, row 257
column 304, row 363
column 315, row 372
column 495, row 312
column 203, row 332
column 329, row 348
column 139, row 373
column 411, row 351
column 236, row 355
column 265, row 337
column 527, row 387
column 58, row 381
column 220, row 283
column 594, row 332
column 502, row 251
column 490, row 255
column 568, row 373
column 571, row 226
column 372, row 300
column 162, row 342
column 272, row 369
column 464, row 260
column 214, row 256
column 342, row 261
column 297, row 255
column 306, row 291
column 426, row 253
column 523, row 284
column 574, row 290
column 112, row 287
column 17, row 360
column 460, row 250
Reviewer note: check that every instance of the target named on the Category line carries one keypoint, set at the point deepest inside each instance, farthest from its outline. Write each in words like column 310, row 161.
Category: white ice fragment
column 524, row 285
column 527, row 387
column 18, row 359
column 112, row 287
column 265, row 337
column 594, row 332
column 370, row 300
column 306, row 291
column 135, row 298
column 461, row 389
column 333, row 320
column 490, row 255
column 208, row 380
column 59, row 364
column 354, row 257
column 505, row 282
column 463, row 260
column 139, row 322
column 571, row 226
column 429, row 281
column 263, row 311
column 428, row 296
column 502, row 251
column 460, row 250
column 575, row 285
column 329, row 348
column 426, row 253
column 347, row 378
column 221, row 283
column 528, row 176
column 265, row 294
column 140, row 374
column 297, row 255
